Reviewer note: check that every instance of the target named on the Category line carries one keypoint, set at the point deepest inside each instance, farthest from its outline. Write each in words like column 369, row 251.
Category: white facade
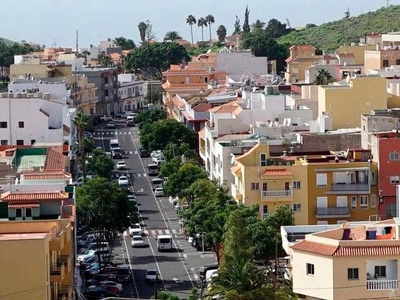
column 241, row 63
column 25, row 121
column 58, row 90
column 130, row 92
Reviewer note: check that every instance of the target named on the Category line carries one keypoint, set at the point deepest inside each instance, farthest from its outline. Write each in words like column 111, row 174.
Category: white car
column 135, row 229
column 159, row 192
column 111, row 124
column 121, row 165
column 110, row 283
column 132, row 198
column 123, row 181
column 137, row 241
column 82, row 257
column 151, row 275
column 155, row 159
column 156, row 153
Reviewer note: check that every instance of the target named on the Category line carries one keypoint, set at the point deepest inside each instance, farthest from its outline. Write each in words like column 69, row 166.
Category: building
column 381, row 58
column 355, row 261
column 130, row 92
column 301, row 57
column 84, row 95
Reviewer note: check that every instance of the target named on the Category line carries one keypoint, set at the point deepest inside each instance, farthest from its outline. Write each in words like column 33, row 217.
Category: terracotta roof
column 303, row 47
column 67, row 129
column 236, row 169
column 47, row 175
column 317, row 248
column 24, row 205
column 276, row 172
column 54, row 159
column 177, row 102
column 202, row 107
column 225, row 108
column 31, row 196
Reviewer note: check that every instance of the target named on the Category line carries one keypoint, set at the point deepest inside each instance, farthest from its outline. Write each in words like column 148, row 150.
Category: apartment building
column 355, row 261
column 130, row 92
column 301, row 57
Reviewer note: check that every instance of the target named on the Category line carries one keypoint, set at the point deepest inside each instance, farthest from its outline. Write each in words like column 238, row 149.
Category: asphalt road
column 179, row 268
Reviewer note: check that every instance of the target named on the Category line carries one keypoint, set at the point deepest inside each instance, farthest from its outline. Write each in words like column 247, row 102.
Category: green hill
column 6, row 41
column 329, row 36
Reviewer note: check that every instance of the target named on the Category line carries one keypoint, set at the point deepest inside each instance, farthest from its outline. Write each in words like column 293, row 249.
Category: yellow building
column 37, row 260
column 357, row 261
column 301, row 57
column 346, row 103
column 357, row 50
column 84, row 94
column 321, row 189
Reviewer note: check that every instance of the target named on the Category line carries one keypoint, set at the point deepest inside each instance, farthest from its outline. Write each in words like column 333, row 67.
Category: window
column 373, row 200
column 265, row 186
column 255, row 186
column 310, row 269
column 33, row 141
column 3, row 124
column 296, row 185
column 341, row 201
column 322, row 180
column 364, row 202
column 20, row 142
column 380, row 271
column 106, row 93
column 4, row 142
column 373, row 178
column 391, row 210
column 352, row 274
column 397, row 62
column 353, row 202
column 28, row 212
column 264, row 211
column 297, row 207
column 394, row 156
column 18, row 213
column 21, row 125
column 385, row 63
column 394, row 179
column 263, row 159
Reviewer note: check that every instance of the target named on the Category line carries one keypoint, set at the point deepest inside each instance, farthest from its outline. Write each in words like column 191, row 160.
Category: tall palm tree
column 210, row 20
column 323, row 77
column 202, row 23
column 172, row 36
column 142, row 31
column 191, row 20
column 80, row 122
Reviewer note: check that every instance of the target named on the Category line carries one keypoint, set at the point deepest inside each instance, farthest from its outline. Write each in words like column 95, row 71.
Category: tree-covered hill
column 329, row 36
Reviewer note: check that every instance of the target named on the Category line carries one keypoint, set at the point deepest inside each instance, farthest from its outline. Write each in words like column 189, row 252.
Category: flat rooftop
column 22, row 236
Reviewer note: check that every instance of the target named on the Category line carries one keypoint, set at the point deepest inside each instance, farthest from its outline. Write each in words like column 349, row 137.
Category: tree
column 237, row 29
column 150, row 116
column 149, row 31
column 172, row 36
column 171, row 166
column 126, row 44
column 221, row 32
column 246, row 26
column 258, row 25
column 323, row 77
column 105, row 60
column 201, row 22
column 85, row 54
column 159, row 134
column 142, row 31
column 191, row 20
column 100, row 164
column 156, row 58
column 182, row 149
column 8, row 50
column 276, row 29
column 80, row 121
column 210, row 20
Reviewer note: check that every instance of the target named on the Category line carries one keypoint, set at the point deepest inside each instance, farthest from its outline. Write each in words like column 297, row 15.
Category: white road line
column 174, row 231
column 130, row 266
column 166, row 231
column 160, row 231
column 153, row 232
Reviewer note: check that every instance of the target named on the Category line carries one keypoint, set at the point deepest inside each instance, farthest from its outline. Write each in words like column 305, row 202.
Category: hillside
column 329, row 36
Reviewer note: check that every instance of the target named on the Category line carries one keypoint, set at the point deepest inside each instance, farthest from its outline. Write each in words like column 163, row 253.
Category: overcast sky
column 52, row 22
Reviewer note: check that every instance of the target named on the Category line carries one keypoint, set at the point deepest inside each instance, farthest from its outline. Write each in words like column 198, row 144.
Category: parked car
column 157, row 159
column 130, row 123
column 159, row 192
column 151, row 275
column 135, row 229
column 82, row 257
column 132, row 198
column 137, row 241
column 144, row 153
column 123, row 181
column 111, row 125
column 106, row 118
column 98, row 293
column 121, row 165
column 102, row 284
column 123, row 273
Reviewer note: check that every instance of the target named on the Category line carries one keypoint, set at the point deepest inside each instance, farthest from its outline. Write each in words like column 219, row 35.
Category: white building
column 130, row 92
column 26, row 119
column 71, row 59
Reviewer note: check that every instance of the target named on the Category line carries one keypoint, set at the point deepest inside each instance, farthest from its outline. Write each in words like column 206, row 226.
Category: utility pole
column 77, row 43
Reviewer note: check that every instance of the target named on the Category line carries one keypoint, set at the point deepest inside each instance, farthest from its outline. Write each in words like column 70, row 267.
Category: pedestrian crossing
column 153, row 233
column 111, row 132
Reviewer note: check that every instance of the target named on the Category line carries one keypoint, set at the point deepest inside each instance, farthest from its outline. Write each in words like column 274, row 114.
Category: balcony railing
column 65, row 291
column 332, row 211
column 57, row 239
column 383, row 285
column 57, row 272
column 277, row 193
column 350, row 187
column 66, row 260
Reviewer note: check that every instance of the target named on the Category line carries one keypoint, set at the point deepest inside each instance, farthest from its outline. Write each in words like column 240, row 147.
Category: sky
column 54, row 22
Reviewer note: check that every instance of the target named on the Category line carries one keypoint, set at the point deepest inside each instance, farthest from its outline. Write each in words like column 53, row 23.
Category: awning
column 24, row 205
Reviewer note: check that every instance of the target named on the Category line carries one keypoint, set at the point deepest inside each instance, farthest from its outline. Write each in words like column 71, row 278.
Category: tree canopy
column 126, row 44
column 8, row 50
column 246, row 24
column 100, row 164
column 221, row 32
column 156, row 58
column 276, row 29
column 172, row 36
column 150, row 116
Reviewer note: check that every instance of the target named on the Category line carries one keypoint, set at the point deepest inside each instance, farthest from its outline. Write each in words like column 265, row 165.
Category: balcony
column 57, row 272
column 57, row 239
column 382, row 285
column 277, row 195
column 345, row 188
column 237, row 192
column 332, row 212
column 66, row 260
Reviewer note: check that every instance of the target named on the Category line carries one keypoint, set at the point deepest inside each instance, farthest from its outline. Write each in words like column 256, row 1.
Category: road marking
column 130, row 266
column 196, row 277
column 160, row 231
column 174, row 231
column 166, row 231
column 153, row 232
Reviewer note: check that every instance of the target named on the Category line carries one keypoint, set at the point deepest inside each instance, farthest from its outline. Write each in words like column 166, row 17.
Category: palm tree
column 85, row 54
column 323, row 77
column 142, row 31
column 202, row 23
column 258, row 25
column 80, row 122
column 172, row 36
column 191, row 20
column 210, row 20
column 105, row 60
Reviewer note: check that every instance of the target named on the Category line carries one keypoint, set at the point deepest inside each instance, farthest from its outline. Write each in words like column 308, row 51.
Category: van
column 152, row 169
column 116, row 152
column 114, row 144
column 156, row 183
column 164, row 242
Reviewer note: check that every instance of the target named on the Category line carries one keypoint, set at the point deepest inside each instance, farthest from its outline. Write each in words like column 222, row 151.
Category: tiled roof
column 236, row 169
column 54, row 159
column 177, row 102
column 317, row 248
column 24, row 205
column 276, row 172
column 202, row 107
column 32, row 196
column 225, row 108
column 47, row 175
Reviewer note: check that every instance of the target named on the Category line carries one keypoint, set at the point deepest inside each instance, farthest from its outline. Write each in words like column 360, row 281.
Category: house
column 130, row 92
column 355, row 261
column 301, row 57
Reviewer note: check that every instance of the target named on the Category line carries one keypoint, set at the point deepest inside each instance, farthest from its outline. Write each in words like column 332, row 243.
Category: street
column 179, row 268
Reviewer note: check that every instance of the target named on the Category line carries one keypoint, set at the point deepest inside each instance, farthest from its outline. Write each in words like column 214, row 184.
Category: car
column 111, row 124
column 82, row 257
column 98, row 293
column 159, row 192
column 106, row 118
column 132, row 198
column 123, row 273
column 151, row 275
column 156, row 153
column 130, row 123
column 144, row 153
column 135, row 229
column 116, row 152
column 159, row 161
column 121, row 165
column 88, row 135
column 157, row 158
column 123, row 181
column 102, row 284
column 137, row 241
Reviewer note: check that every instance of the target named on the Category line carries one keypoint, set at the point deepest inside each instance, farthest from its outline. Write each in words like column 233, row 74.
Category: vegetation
column 172, row 36
column 237, row 28
column 8, row 49
column 210, row 20
column 191, row 20
column 80, row 122
column 246, row 25
column 150, row 116
column 201, row 22
column 221, row 33
column 126, row 44
column 100, row 164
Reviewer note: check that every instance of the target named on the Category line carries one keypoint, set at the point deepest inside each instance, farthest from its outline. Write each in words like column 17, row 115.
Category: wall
column 358, row 51
column 241, row 63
